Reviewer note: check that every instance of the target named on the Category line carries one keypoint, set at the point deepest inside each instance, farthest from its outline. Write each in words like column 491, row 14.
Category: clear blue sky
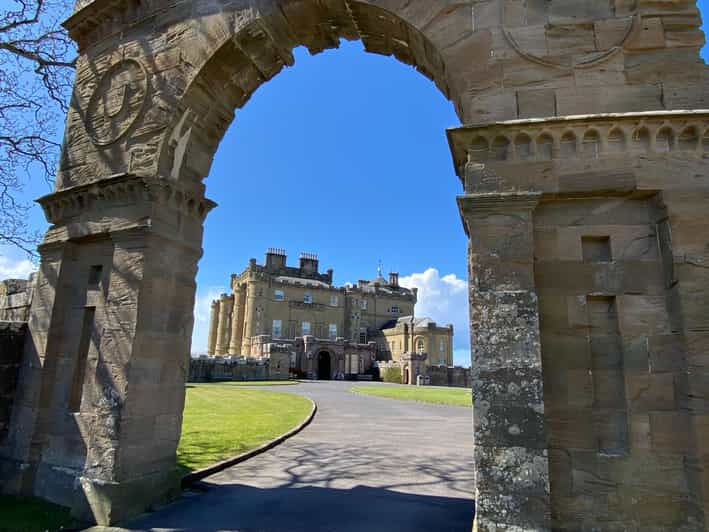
column 343, row 155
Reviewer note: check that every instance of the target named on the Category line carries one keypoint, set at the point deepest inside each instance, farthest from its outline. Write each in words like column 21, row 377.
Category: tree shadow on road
column 312, row 509
column 312, row 487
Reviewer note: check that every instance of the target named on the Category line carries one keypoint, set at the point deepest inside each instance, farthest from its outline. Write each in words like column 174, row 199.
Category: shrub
column 391, row 375
column 374, row 372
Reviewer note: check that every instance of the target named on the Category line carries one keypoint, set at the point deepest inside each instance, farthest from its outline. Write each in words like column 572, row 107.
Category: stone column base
column 16, row 477
column 107, row 503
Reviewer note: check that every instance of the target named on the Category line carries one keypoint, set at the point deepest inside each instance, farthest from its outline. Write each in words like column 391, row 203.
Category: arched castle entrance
column 324, row 366
column 587, row 245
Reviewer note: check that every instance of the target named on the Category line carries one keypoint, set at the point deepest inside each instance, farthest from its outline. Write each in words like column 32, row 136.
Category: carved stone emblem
column 116, row 102
column 577, row 35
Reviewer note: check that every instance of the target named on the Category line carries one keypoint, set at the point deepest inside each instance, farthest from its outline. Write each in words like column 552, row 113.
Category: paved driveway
column 364, row 464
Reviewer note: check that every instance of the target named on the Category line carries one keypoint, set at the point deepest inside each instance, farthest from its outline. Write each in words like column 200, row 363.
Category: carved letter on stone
column 117, row 102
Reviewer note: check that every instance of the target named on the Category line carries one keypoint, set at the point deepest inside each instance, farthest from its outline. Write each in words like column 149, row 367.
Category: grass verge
column 28, row 514
column 444, row 396
column 257, row 383
column 221, row 421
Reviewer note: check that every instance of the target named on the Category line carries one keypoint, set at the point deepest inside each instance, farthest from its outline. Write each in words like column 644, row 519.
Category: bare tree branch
column 37, row 61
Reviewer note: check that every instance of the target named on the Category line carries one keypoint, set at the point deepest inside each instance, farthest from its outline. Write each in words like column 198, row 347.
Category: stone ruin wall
column 452, row 376
column 12, row 338
column 239, row 369
column 15, row 300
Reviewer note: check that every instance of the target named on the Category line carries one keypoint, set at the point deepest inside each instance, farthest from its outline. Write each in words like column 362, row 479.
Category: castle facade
column 274, row 304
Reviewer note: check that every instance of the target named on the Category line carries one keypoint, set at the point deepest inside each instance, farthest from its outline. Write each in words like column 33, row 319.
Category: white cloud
column 445, row 300
column 202, row 309
column 15, row 268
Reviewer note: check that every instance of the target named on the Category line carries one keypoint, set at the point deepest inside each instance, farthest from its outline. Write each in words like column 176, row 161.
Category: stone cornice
column 123, row 189
column 98, row 14
column 500, row 201
column 521, row 140
column 483, row 204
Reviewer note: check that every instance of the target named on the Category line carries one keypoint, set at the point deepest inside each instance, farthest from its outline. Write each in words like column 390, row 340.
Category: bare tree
column 37, row 61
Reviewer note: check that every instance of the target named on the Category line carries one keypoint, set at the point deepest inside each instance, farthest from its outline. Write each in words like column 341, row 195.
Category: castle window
column 363, row 304
column 395, row 310
column 305, row 328
column 333, row 301
column 420, row 346
column 308, row 299
column 443, row 346
column 278, row 295
column 332, row 331
column 277, row 328
column 363, row 336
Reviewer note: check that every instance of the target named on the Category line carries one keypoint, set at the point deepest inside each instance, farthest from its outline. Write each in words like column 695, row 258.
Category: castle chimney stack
column 394, row 279
column 309, row 263
column 275, row 259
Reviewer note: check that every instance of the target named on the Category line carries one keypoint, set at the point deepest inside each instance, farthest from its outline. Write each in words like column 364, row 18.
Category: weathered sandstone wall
column 12, row 337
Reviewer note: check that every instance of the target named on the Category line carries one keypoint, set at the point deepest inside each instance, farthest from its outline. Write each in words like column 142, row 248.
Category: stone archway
column 559, row 192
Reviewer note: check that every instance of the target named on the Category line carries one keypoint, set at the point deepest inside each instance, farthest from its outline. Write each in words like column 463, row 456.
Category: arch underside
column 261, row 49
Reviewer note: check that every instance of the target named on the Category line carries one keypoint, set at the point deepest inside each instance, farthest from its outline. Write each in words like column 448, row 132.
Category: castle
column 329, row 331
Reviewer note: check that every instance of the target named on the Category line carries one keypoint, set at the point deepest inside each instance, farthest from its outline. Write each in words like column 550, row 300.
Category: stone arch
column 258, row 51
column 665, row 140
column 688, row 139
column 523, row 146
column 568, row 145
column 641, row 139
column 617, row 142
column 420, row 344
column 545, row 147
column 479, row 149
column 500, row 148
column 592, row 144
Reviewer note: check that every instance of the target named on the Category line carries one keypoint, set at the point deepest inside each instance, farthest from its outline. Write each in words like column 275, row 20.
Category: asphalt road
column 363, row 464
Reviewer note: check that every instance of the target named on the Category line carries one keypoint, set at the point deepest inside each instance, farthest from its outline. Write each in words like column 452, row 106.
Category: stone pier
column 511, row 457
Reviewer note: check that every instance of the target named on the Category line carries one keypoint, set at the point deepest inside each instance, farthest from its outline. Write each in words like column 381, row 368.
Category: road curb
column 198, row 475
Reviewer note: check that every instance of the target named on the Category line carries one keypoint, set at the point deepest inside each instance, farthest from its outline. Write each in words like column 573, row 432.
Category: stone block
column 107, row 502
column 524, row 474
column 564, row 350
column 651, row 392
column 666, row 353
column 640, row 435
column 643, row 315
column 564, row 277
column 670, row 432
column 571, row 428
column 651, row 34
column 536, row 102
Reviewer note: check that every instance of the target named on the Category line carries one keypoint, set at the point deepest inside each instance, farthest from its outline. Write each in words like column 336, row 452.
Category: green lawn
column 446, row 396
column 221, row 421
column 28, row 514
column 258, row 383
